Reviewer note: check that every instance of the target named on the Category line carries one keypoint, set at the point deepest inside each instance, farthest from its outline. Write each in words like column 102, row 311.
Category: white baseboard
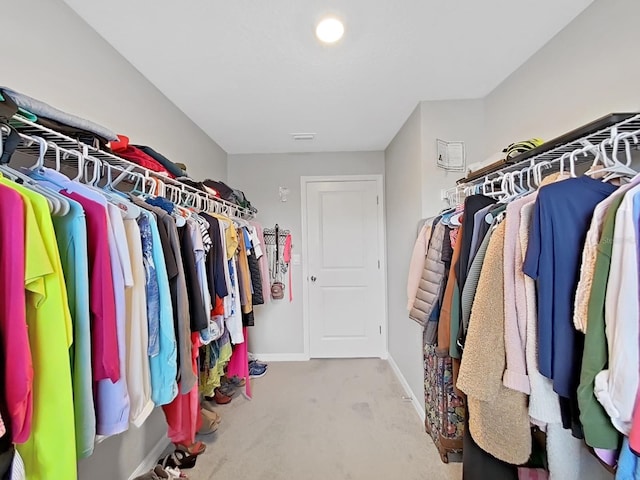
column 151, row 459
column 417, row 404
column 282, row 357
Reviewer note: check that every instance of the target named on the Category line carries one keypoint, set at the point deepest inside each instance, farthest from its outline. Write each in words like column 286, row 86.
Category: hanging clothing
column 178, row 290
column 264, row 263
column 163, row 366
column 616, row 386
column 472, row 205
column 432, row 277
column 14, row 283
column 112, row 398
column 498, row 416
column 444, row 323
column 561, row 220
column 71, row 234
column 137, row 331
column 590, row 253
column 50, row 450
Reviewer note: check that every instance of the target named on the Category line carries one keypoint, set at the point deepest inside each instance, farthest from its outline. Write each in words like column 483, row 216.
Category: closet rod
column 592, row 131
column 629, row 125
column 31, row 129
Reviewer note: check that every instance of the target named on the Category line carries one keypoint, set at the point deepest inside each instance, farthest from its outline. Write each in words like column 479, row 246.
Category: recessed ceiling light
column 330, row 30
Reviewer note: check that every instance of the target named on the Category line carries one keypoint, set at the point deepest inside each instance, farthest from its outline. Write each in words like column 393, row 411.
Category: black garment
column 256, row 279
column 198, row 315
column 570, row 413
column 171, row 167
column 6, row 461
column 248, row 319
column 483, row 228
column 6, row 447
column 215, row 260
column 480, row 465
column 224, row 191
column 192, row 183
column 472, row 205
column 447, row 249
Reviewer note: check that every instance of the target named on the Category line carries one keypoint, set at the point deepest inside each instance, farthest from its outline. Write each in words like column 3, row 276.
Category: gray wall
column 413, row 191
column 586, row 71
column 403, row 197
column 51, row 54
column 279, row 328
column 449, row 120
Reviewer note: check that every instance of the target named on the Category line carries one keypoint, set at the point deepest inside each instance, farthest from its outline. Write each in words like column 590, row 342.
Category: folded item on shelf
column 229, row 194
column 222, row 189
column 171, row 167
column 122, row 148
column 84, row 136
column 192, row 183
column 42, row 109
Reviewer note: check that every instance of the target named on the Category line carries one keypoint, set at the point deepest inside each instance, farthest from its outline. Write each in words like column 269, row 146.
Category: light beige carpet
column 322, row 420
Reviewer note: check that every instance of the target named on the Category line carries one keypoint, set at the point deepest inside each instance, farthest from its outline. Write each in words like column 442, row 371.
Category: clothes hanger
column 140, row 186
column 537, row 171
column 114, row 197
column 58, row 204
column 613, row 168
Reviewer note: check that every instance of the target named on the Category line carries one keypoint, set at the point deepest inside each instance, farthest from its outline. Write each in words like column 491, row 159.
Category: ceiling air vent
column 303, row 136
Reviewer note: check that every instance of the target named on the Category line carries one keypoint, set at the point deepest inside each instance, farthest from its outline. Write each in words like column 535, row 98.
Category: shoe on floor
column 220, row 398
column 228, row 389
column 235, row 381
column 259, row 363
column 257, row 371
column 211, row 415
column 169, row 473
column 209, row 423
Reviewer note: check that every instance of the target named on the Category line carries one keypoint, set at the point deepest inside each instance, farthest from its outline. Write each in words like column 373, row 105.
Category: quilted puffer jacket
column 432, row 279
column 256, row 279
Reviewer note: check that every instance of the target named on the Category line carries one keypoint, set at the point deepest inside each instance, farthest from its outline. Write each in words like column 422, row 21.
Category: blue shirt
column 561, row 220
column 164, row 365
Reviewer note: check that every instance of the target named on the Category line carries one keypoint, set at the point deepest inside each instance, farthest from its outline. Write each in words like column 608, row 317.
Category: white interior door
column 346, row 305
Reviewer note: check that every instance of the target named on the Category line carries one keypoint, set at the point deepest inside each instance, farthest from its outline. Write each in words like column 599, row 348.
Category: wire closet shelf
column 30, row 131
column 629, row 125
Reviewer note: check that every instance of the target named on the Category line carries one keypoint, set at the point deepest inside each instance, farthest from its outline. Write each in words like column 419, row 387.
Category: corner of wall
column 449, row 120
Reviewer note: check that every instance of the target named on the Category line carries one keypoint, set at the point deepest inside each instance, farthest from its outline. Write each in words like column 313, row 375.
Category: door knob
column 313, row 279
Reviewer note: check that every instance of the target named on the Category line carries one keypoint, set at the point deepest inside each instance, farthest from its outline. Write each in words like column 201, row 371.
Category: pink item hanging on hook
column 286, row 256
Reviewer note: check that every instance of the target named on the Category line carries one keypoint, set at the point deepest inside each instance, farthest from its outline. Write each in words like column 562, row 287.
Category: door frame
column 382, row 241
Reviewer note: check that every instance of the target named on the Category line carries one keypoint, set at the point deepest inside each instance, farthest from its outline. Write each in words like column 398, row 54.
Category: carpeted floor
column 322, row 420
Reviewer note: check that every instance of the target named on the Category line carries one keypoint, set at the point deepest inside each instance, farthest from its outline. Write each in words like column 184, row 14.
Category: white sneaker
column 168, row 473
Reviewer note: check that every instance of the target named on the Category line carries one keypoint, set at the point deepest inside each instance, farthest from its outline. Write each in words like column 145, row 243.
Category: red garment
column 239, row 363
column 104, row 335
column 183, row 413
column 137, row 156
column 218, row 308
column 18, row 367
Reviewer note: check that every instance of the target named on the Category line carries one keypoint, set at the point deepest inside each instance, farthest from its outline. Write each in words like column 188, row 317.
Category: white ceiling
column 251, row 72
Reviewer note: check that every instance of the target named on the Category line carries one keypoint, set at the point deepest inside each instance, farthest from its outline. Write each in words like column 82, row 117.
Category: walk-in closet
column 356, row 240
